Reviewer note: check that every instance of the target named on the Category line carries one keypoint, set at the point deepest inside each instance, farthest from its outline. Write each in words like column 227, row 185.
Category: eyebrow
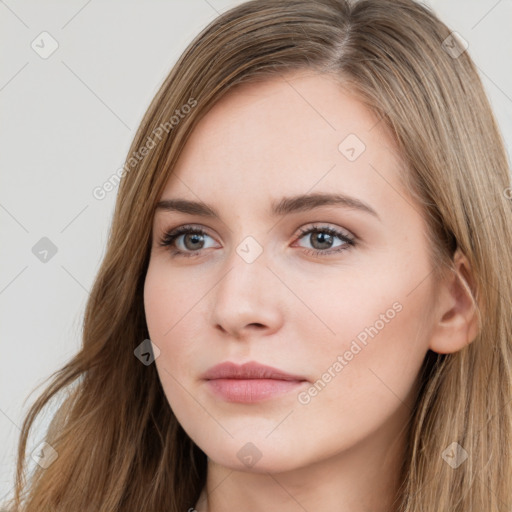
column 286, row 205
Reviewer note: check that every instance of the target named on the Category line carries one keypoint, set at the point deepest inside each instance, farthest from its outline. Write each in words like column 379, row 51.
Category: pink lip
column 250, row 382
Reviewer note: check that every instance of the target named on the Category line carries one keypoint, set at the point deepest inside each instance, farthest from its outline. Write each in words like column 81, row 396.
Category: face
column 334, row 290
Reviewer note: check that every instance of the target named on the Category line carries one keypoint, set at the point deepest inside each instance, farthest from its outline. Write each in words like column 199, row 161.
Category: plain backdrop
column 68, row 118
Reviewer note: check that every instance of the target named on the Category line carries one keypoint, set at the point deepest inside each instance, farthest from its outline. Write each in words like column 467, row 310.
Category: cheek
column 370, row 331
column 170, row 304
column 168, row 299
column 365, row 374
column 156, row 296
column 166, row 319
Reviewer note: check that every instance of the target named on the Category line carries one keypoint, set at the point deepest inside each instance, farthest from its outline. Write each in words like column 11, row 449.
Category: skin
column 296, row 311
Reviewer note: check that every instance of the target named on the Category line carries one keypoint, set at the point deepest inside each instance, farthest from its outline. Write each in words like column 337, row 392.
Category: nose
column 247, row 299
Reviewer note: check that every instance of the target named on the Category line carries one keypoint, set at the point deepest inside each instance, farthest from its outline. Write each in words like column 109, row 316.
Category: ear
column 456, row 321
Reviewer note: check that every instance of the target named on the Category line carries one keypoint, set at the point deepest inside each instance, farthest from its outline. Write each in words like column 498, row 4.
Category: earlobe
column 456, row 323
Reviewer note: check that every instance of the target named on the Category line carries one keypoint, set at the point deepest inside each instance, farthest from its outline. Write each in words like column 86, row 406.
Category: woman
column 305, row 302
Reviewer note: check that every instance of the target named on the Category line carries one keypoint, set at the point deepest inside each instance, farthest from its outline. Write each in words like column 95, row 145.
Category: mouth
column 251, row 390
column 250, row 382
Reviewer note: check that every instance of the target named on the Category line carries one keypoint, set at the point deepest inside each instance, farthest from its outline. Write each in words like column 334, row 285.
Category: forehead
column 288, row 135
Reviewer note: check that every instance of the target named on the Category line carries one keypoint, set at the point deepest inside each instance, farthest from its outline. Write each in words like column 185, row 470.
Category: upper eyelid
column 325, row 226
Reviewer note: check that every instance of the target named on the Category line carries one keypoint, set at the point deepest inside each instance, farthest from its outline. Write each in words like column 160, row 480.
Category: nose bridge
column 245, row 294
column 246, row 275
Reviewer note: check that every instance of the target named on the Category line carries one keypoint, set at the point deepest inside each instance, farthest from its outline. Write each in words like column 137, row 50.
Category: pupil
column 196, row 238
column 322, row 238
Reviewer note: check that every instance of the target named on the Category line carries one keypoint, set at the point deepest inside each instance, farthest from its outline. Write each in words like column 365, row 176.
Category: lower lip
column 252, row 390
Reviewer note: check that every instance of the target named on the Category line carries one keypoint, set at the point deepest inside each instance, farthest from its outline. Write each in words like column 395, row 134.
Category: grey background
column 66, row 127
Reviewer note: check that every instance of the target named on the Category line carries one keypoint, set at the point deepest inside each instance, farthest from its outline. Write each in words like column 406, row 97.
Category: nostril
column 257, row 325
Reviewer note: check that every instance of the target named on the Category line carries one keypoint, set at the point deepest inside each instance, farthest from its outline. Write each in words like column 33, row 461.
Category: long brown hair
column 119, row 446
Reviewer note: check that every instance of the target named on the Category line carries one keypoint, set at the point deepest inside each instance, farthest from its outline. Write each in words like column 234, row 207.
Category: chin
column 253, row 457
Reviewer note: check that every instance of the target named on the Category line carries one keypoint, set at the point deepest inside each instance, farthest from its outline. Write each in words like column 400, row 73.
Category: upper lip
column 251, row 370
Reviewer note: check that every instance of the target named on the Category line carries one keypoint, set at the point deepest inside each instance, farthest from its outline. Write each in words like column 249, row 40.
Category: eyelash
column 169, row 238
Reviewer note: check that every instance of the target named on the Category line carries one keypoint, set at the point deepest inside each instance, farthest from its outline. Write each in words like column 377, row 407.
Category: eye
column 190, row 239
column 323, row 238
